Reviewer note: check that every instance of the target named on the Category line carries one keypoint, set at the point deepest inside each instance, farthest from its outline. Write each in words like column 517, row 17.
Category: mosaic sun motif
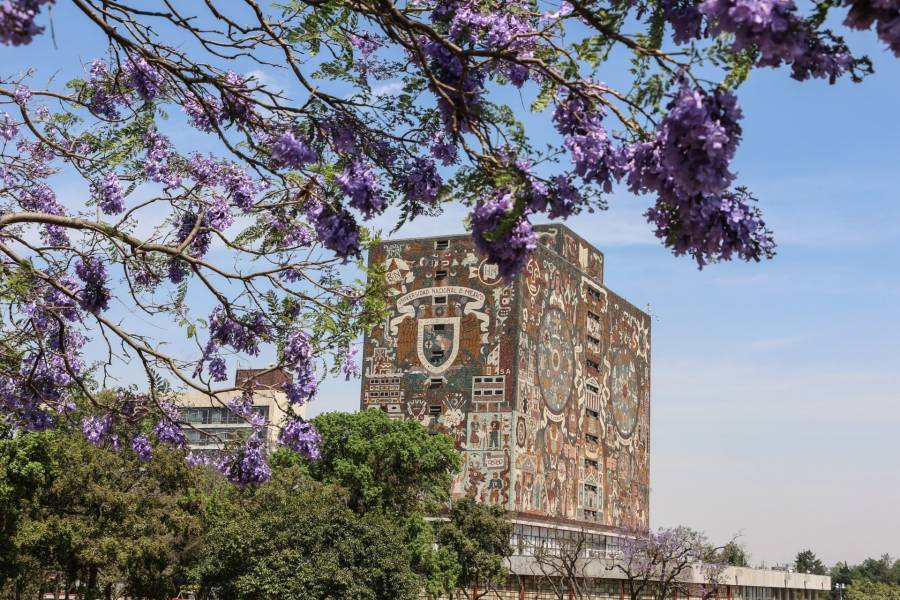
column 627, row 381
column 556, row 360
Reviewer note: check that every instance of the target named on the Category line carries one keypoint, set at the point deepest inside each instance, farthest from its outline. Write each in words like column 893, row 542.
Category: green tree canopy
column 865, row 589
column 808, row 562
column 94, row 515
column 395, row 465
column 733, row 554
column 477, row 537
column 297, row 538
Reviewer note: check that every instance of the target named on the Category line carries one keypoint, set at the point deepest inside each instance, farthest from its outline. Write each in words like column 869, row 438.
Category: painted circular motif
column 521, row 432
column 627, row 383
column 556, row 360
column 532, row 276
column 488, row 273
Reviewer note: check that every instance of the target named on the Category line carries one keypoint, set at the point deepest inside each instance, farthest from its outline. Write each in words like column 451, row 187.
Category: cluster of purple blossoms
column 685, row 18
column 22, row 94
column 509, row 30
column 695, row 143
column 218, row 213
column 290, row 233
column 41, row 198
column 288, row 151
column 443, row 149
column 142, row 77
column 242, row 406
column 156, row 165
column 506, row 244
column 28, row 397
column 108, row 193
column 248, row 465
column 236, row 103
column 885, row 14
column 300, row 436
column 9, row 128
column 204, row 169
column 596, row 159
column 687, row 166
column 349, row 366
column 141, row 447
column 240, row 186
column 94, row 295
column 203, row 114
column 420, row 182
column 779, row 35
column 177, row 270
column 202, row 238
column 561, row 201
column 96, row 429
column 217, row 369
column 298, row 357
column 367, row 44
column 242, row 336
column 359, row 181
column 336, row 229
column 342, row 135
column 17, row 26
column 460, row 94
column 104, row 102
column 167, row 430
column 712, row 228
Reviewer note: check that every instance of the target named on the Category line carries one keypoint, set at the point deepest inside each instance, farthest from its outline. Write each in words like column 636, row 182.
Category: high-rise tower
column 544, row 382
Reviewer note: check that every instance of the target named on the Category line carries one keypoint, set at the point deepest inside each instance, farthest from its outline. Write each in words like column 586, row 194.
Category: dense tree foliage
column 477, row 537
column 236, row 235
column 876, row 578
column 97, row 521
column 297, row 538
column 385, row 464
column 733, row 554
column 807, row 562
column 865, row 589
column 72, row 512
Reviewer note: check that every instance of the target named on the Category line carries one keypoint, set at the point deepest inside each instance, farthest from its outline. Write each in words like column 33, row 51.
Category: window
column 591, row 438
column 440, row 299
column 439, row 275
column 591, row 463
column 441, row 244
column 592, row 413
column 434, row 410
column 591, row 364
column 437, row 382
column 439, row 327
column 437, row 357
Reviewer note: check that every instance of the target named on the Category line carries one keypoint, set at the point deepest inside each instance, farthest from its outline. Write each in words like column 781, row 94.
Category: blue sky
column 775, row 403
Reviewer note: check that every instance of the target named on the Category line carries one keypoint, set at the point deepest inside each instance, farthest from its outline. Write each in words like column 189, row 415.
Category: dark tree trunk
column 91, row 592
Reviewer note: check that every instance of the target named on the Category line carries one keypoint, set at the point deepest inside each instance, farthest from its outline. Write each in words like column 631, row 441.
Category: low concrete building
column 209, row 425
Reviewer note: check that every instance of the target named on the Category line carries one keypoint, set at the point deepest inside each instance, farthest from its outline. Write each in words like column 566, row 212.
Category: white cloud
column 390, row 88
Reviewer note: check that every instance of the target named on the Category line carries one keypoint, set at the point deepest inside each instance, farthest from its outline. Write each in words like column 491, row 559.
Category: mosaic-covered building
column 544, row 382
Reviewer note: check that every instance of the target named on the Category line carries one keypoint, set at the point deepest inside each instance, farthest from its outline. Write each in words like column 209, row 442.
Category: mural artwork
column 543, row 383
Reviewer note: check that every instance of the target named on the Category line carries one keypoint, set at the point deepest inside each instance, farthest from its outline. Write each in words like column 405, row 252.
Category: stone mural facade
column 544, row 383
